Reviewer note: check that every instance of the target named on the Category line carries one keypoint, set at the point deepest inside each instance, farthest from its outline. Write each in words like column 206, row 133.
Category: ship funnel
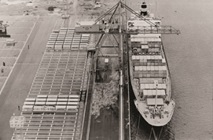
column 144, row 10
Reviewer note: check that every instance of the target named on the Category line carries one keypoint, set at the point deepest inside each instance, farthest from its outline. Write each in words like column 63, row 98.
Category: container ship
column 149, row 71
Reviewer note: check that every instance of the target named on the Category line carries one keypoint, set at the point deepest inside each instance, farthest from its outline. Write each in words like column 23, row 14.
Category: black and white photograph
column 106, row 70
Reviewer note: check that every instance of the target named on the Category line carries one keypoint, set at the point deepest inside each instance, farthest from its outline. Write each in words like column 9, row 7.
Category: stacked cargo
column 149, row 64
column 145, row 38
column 148, row 60
column 60, row 78
column 52, row 40
column 51, row 103
column 151, row 80
column 60, row 39
column 154, row 47
column 76, row 42
column 54, row 106
column 151, row 71
column 66, row 39
column 151, row 48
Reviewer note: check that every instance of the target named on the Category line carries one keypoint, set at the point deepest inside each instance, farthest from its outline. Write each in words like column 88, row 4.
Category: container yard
column 54, row 107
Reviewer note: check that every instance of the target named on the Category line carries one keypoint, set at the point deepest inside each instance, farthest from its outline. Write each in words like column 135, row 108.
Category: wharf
column 54, row 107
column 23, row 70
column 58, row 105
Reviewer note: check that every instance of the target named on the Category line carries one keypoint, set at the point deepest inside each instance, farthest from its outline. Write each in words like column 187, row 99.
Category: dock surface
column 19, row 83
column 54, row 106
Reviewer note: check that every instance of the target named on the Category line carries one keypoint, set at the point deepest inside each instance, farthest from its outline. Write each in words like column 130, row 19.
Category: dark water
column 190, row 57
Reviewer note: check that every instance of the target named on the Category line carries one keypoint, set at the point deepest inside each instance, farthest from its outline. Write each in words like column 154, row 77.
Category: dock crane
column 109, row 24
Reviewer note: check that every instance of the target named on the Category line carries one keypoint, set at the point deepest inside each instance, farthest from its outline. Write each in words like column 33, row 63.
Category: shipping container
column 152, row 86
column 154, row 92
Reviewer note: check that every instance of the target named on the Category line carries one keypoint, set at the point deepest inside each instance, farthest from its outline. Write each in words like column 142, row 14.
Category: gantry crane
column 109, row 24
column 112, row 23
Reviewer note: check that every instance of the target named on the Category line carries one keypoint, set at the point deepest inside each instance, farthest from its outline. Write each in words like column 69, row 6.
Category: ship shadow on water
column 140, row 129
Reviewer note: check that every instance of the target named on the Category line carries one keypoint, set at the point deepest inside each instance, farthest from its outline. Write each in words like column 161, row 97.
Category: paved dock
column 20, row 30
column 54, row 107
column 53, row 89
column 21, row 78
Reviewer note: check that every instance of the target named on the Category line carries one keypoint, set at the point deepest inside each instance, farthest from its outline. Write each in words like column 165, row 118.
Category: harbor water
column 190, row 58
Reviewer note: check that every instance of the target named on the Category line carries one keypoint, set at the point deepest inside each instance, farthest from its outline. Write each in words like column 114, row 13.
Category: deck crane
column 109, row 24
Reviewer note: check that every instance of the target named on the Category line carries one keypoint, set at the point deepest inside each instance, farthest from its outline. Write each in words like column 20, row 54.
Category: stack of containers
column 84, row 41
column 149, row 63
column 147, row 60
column 51, row 102
column 68, row 39
column 76, row 42
column 151, row 71
column 135, row 44
column 154, row 47
column 51, row 42
column 150, row 80
column 144, row 38
column 60, row 39
column 154, row 60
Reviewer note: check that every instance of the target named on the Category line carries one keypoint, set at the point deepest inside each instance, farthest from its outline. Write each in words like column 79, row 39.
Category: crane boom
column 101, row 29
column 112, row 27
